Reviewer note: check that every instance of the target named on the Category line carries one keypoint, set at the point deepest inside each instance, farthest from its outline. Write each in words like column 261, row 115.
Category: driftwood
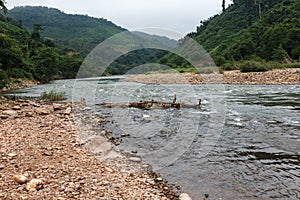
column 150, row 105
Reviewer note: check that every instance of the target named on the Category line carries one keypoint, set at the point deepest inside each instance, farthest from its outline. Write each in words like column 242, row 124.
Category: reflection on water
column 255, row 157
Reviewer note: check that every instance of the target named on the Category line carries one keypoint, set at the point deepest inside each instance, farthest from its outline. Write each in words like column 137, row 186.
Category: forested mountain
column 78, row 33
column 258, row 30
column 43, row 44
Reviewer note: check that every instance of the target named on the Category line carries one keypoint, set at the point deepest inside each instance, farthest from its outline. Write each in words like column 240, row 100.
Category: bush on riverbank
column 53, row 96
column 252, row 66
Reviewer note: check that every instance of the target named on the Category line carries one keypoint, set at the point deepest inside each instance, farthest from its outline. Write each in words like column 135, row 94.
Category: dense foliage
column 25, row 55
column 249, row 30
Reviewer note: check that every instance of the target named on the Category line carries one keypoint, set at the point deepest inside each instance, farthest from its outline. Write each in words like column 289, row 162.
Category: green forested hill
column 79, row 33
column 239, row 33
column 245, row 32
column 69, row 32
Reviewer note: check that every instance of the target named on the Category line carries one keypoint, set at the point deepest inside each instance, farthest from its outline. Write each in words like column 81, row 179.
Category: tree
column 3, row 7
column 36, row 33
column 223, row 5
column 10, row 53
column 46, row 64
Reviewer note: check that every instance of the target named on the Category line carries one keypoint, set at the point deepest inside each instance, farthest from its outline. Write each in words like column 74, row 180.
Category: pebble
column 68, row 111
column 29, row 114
column 20, row 179
column 16, row 108
column 12, row 155
column 71, row 172
column 34, row 185
column 69, row 189
column 42, row 111
column 158, row 179
column 108, row 170
column 125, row 134
column 134, row 151
column 3, row 116
column 135, row 159
column 57, row 106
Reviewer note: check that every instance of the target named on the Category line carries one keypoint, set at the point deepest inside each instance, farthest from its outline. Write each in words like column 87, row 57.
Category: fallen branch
column 150, row 105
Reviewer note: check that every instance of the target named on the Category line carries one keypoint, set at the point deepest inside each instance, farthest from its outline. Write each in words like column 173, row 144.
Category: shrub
column 3, row 78
column 292, row 65
column 19, row 73
column 229, row 66
column 252, row 66
column 219, row 60
column 53, row 96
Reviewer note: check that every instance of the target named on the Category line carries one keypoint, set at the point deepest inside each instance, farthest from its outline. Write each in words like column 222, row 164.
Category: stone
column 47, row 153
column 34, row 185
column 134, row 151
column 158, row 179
column 98, row 145
column 3, row 116
column 16, row 108
column 68, row 111
column 12, row 155
column 87, row 108
column 184, row 196
column 125, row 134
column 34, row 104
column 10, row 112
column 2, row 167
column 58, row 106
column 42, row 111
column 21, row 179
column 135, row 159
column 29, row 114
column 108, row 170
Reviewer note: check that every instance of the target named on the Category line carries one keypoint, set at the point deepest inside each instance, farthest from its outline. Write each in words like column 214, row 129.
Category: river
column 242, row 144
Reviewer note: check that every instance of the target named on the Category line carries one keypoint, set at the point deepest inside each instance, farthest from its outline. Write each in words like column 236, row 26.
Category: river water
column 244, row 143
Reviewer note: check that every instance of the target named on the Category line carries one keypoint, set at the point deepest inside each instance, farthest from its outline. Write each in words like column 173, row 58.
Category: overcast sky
column 181, row 16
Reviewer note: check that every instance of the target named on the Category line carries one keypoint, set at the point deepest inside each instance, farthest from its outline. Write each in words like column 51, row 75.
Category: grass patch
column 53, row 96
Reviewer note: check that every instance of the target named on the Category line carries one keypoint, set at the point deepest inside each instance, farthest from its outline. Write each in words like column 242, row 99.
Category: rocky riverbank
column 43, row 155
column 277, row 76
column 18, row 84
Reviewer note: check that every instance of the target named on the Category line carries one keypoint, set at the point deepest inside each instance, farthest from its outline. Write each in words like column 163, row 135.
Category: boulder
column 184, row 196
column 98, row 145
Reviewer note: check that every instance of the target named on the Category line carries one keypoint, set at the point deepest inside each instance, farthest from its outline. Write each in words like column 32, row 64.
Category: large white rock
column 98, row 145
column 185, row 196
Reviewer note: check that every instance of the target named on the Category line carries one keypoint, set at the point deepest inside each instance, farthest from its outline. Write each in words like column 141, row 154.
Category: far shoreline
column 287, row 76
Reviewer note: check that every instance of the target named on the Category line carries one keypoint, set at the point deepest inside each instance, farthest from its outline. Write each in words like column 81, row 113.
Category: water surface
column 254, row 156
